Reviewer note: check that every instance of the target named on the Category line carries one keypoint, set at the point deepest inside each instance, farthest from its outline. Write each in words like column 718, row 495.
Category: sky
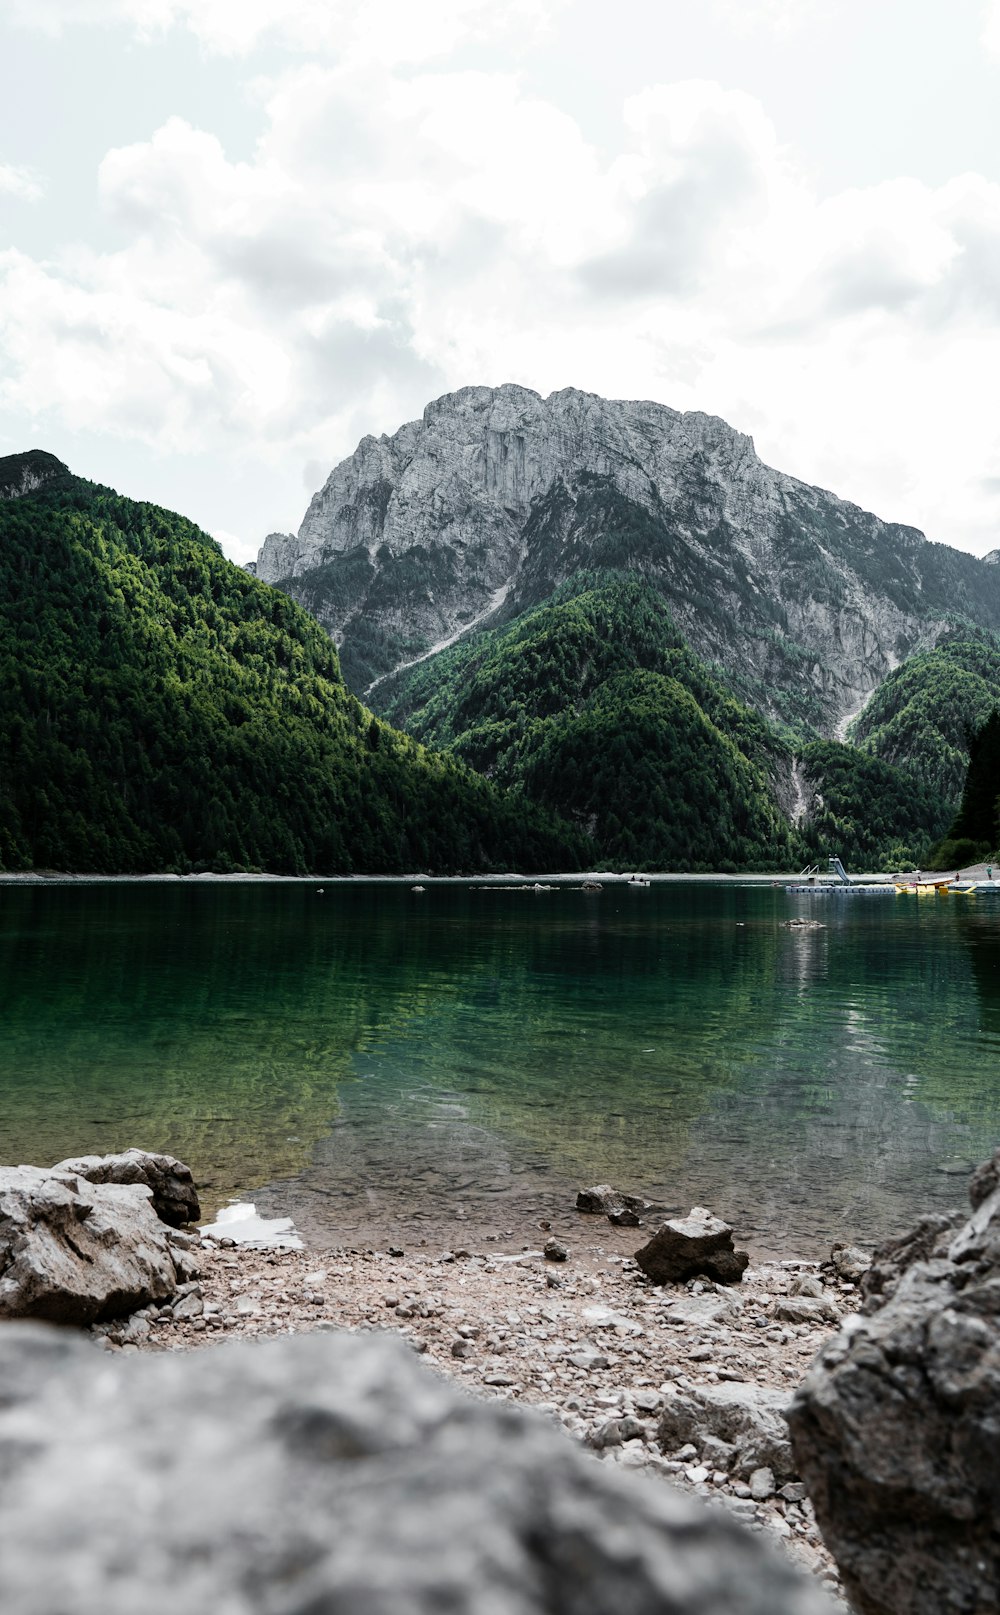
column 236, row 235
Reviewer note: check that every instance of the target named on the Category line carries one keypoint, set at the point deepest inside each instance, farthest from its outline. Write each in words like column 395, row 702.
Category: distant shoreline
column 31, row 877
column 478, row 880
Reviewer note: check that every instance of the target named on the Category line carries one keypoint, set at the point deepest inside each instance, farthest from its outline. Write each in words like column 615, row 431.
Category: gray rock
column 807, row 1284
column 175, row 1198
column 603, row 1200
column 929, row 1237
column 896, row 1428
column 762, row 1485
column 687, row 1246
column 805, row 1309
column 750, row 1419
column 555, row 1250
column 851, row 1263
column 333, row 1473
column 77, row 1252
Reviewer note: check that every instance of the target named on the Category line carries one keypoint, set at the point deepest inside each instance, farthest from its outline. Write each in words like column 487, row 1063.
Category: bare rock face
column 170, row 1182
column 686, row 1247
column 497, row 495
column 334, row 1474
column 75, row 1252
column 896, row 1430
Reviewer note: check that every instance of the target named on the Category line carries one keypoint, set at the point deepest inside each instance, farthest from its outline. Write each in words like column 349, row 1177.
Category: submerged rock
column 896, row 1429
column 170, row 1182
column 333, row 1473
column 77, row 1252
column 688, row 1246
column 602, row 1200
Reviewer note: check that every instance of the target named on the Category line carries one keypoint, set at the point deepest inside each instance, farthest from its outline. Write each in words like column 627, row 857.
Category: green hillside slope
column 163, row 710
column 594, row 707
column 922, row 716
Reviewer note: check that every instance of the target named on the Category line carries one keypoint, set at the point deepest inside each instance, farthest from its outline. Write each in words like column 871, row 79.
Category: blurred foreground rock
column 332, row 1473
column 169, row 1181
column 686, row 1247
column 896, row 1430
column 76, row 1252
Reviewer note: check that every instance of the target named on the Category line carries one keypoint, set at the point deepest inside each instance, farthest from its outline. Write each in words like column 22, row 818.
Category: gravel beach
column 588, row 1341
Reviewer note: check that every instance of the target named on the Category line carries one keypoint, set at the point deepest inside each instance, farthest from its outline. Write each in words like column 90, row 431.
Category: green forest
column 922, row 717
column 162, row 710
column 593, row 706
column 975, row 833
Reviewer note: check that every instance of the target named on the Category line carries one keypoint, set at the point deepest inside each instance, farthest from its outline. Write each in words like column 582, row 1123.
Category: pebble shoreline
column 589, row 1342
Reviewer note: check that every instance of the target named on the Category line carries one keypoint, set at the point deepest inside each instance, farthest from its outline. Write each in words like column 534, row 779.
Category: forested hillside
column 164, row 710
column 975, row 833
column 924, row 714
column 594, row 707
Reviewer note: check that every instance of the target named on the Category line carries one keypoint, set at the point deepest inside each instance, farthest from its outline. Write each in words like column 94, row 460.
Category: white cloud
column 20, row 183
column 399, row 233
column 378, row 30
column 991, row 28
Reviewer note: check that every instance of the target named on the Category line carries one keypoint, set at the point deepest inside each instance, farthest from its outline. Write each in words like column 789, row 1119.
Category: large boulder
column 896, row 1429
column 750, row 1419
column 76, row 1252
column 686, row 1247
column 170, row 1182
column 333, row 1473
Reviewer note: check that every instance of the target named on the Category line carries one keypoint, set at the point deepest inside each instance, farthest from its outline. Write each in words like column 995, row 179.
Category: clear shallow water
column 387, row 1061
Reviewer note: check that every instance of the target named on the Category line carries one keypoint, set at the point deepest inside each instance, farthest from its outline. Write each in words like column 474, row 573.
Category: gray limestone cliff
column 24, row 474
column 497, row 495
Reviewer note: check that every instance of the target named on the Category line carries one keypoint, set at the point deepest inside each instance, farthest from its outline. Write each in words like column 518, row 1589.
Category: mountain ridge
column 803, row 599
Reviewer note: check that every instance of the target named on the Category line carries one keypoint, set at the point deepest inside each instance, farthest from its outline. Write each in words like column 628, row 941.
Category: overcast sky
column 235, row 235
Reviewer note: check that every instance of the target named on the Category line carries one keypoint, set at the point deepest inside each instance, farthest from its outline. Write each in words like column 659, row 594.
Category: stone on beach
column 171, row 1183
column 686, row 1247
column 749, row 1419
column 365, row 1483
column 76, row 1252
column 896, row 1428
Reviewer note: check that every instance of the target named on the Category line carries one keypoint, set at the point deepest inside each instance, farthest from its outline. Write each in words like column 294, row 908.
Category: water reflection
column 470, row 1057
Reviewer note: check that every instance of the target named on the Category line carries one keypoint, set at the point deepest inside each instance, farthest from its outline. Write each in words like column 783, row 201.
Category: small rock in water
column 602, row 1199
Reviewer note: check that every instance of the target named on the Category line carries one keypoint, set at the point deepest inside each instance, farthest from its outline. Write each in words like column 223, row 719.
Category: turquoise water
column 376, row 1060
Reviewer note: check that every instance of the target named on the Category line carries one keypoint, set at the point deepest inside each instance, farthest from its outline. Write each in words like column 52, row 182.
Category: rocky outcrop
column 896, row 1429
column 76, row 1252
column 333, row 1473
column 24, row 474
column 497, row 495
column 692, row 1246
column 169, row 1181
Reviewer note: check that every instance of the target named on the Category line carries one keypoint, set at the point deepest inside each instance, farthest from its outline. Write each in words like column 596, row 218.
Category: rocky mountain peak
column 497, row 495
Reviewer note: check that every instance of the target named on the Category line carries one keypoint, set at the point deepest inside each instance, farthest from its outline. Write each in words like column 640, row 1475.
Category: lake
column 382, row 1063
